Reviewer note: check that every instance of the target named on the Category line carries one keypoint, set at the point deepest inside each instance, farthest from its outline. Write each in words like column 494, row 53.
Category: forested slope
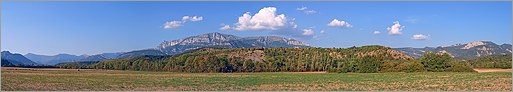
column 262, row 60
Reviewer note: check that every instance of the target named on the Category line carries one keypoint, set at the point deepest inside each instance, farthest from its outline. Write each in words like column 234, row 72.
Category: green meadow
column 106, row 80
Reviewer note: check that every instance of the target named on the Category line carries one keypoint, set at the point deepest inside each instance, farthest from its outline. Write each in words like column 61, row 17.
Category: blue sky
column 51, row 28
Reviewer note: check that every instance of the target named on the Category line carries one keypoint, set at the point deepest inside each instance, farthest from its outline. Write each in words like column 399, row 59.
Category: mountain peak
column 15, row 58
column 213, row 38
column 216, row 39
column 477, row 43
column 217, row 36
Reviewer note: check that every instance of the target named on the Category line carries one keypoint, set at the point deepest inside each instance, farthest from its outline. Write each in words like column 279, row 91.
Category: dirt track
column 492, row 70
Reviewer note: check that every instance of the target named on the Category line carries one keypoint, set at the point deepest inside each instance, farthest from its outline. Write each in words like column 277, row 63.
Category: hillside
column 61, row 58
column 462, row 51
column 492, row 61
column 261, row 60
column 14, row 58
column 54, row 59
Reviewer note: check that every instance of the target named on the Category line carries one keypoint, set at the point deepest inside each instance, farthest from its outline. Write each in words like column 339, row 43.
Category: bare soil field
column 491, row 70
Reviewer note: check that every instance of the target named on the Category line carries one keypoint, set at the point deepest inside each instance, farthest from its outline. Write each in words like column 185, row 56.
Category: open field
column 71, row 79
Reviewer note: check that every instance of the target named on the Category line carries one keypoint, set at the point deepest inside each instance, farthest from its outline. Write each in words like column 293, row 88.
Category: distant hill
column 217, row 40
column 492, row 61
column 15, row 58
column 462, row 51
column 44, row 59
column 60, row 58
column 141, row 53
column 101, row 57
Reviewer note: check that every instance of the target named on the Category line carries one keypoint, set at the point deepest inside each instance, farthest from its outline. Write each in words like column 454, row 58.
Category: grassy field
column 101, row 80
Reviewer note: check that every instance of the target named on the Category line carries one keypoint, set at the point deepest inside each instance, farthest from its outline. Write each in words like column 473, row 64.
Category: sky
column 78, row 28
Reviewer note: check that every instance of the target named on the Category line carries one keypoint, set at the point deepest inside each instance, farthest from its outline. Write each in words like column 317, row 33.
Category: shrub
column 411, row 66
column 369, row 64
column 435, row 62
column 402, row 66
column 390, row 66
column 459, row 67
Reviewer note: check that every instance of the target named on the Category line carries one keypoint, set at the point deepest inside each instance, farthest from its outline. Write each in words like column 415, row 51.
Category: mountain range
column 174, row 47
column 60, row 58
column 217, row 40
column 462, row 51
column 44, row 59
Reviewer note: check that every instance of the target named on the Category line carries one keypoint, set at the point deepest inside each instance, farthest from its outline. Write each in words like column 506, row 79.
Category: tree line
column 365, row 59
column 492, row 61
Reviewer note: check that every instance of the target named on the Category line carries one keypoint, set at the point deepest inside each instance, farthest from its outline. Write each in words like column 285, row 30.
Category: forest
column 492, row 61
column 365, row 59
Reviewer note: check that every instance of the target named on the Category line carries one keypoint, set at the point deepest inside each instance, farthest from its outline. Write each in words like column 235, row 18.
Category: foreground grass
column 102, row 80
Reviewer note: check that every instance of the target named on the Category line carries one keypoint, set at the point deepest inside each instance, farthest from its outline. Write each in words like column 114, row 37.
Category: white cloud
column 225, row 27
column 310, row 11
column 172, row 24
column 176, row 24
column 420, row 37
column 196, row 18
column 308, row 32
column 322, row 31
column 306, row 10
column 265, row 19
column 376, row 32
column 395, row 29
column 193, row 18
column 338, row 23
column 302, row 8
column 186, row 18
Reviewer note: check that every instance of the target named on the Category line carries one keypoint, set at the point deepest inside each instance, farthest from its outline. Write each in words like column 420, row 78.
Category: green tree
column 435, row 62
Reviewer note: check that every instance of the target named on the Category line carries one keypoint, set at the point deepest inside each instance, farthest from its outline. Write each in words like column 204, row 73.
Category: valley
column 256, row 46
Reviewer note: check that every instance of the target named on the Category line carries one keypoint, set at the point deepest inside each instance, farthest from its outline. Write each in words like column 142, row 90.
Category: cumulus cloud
column 339, row 23
column 225, row 27
column 395, row 29
column 265, row 19
column 176, row 24
column 308, row 32
column 186, row 18
column 306, row 10
column 322, row 31
column 420, row 37
column 376, row 32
